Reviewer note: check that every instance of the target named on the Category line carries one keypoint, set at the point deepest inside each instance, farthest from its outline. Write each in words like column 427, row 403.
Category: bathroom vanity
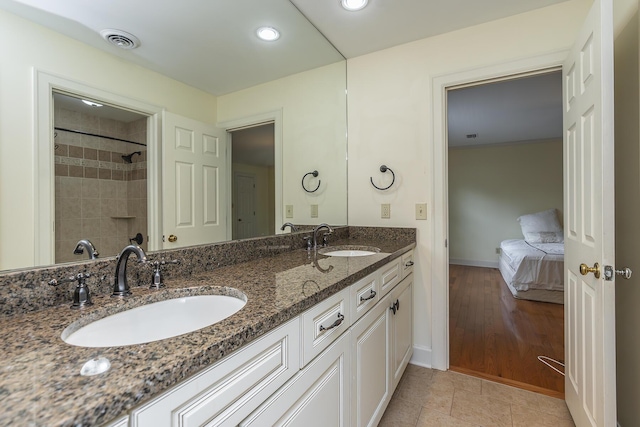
column 320, row 339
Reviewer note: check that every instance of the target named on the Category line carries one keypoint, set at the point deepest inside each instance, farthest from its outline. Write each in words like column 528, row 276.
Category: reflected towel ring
column 315, row 174
column 383, row 169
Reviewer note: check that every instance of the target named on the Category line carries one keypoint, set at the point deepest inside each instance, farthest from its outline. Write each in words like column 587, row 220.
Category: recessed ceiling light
column 353, row 5
column 268, row 33
column 91, row 103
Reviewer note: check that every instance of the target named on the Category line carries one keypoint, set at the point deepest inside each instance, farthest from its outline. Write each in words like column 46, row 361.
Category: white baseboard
column 421, row 357
column 486, row 264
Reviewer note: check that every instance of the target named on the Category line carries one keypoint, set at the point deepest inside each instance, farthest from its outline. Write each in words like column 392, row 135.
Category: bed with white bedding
column 533, row 271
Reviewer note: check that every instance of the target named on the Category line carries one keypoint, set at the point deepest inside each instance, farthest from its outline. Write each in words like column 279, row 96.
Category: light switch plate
column 314, row 211
column 421, row 211
column 385, row 211
column 289, row 211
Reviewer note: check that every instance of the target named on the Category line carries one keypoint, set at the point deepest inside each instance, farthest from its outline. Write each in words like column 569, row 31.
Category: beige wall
column 627, row 158
column 26, row 46
column 313, row 137
column 490, row 187
column 390, row 114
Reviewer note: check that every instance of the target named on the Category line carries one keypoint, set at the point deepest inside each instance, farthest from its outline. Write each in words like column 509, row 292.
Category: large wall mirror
column 72, row 170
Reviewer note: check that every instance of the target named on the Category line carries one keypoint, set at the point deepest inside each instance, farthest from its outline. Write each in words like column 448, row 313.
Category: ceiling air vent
column 121, row 39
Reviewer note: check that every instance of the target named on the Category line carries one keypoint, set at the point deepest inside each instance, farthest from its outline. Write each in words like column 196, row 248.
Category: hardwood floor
column 497, row 337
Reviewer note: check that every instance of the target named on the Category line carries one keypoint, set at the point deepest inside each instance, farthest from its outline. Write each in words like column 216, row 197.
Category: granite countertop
column 40, row 381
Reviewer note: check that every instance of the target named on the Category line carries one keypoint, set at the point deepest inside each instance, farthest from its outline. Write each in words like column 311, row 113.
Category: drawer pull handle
column 335, row 324
column 371, row 296
column 409, row 264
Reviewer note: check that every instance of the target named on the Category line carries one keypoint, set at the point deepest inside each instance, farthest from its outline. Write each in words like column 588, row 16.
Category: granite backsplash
column 28, row 290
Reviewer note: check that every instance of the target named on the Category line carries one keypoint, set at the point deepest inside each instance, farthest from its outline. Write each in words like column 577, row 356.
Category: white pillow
column 542, row 227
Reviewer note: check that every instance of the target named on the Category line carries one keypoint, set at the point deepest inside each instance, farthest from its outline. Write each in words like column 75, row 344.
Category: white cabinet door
column 317, row 396
column 228, row 391
column 401, row 328
column 370, row 385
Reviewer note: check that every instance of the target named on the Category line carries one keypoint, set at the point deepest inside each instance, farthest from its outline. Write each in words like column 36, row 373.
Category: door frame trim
column 439, row 179
column 44, row 84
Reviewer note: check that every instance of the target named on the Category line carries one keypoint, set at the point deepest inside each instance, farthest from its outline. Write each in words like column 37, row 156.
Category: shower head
column 127, row 157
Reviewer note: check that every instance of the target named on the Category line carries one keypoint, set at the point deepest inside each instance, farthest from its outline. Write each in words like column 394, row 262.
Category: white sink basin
column 156, row 321
column 347, row 251
column 344, row 252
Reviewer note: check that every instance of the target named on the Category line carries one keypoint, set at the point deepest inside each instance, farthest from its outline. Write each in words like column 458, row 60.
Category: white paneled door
column 193, row 182
column 590, row 382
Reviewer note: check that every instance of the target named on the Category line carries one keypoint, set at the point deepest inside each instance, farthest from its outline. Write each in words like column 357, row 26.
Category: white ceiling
column 524, row 109
column 211, row 44
column 386, row 23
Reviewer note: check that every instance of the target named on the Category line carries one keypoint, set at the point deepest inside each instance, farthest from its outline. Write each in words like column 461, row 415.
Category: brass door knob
column 173, row 238
column 585, row 269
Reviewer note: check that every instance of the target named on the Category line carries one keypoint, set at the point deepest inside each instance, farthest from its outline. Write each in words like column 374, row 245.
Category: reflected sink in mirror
column 349, row 251
column 154, row 322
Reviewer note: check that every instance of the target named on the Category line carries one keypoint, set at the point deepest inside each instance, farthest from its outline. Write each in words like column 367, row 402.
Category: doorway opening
column 100, row 169
column 505, row 161
column 253, row 209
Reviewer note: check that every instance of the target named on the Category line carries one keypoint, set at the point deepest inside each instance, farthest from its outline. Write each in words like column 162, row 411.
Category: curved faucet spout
column 86, row 244
column 288, row 224
column 315, row 233
column 120, row 285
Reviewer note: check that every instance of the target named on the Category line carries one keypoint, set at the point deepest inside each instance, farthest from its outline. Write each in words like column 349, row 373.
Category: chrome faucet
column 120, row 285
column 86, row 244
column 288, row 224
column 315, row 234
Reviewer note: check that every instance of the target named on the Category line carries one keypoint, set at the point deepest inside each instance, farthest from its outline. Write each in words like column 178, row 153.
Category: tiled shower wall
column 98, row 196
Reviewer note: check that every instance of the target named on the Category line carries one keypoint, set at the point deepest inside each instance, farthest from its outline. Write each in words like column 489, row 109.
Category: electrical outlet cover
column 314, row 211
column 385, row 211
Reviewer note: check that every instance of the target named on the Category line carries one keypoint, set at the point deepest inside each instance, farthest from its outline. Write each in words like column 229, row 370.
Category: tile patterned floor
column 430, row 398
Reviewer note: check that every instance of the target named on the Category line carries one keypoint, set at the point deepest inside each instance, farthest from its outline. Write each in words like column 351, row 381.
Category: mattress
column 532, row 266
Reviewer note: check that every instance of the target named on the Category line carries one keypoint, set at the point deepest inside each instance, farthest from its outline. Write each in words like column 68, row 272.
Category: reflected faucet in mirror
column 120, row 285
column 86, row 244
column 288, row 224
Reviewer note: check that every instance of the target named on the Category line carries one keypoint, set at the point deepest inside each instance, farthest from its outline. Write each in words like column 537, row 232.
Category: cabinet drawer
column 232, row 388
column 322, row 324
column 407, row 264
column 390, row 275
column 364, row 295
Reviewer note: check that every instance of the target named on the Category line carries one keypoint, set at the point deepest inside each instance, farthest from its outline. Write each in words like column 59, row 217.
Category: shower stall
column 100, row 177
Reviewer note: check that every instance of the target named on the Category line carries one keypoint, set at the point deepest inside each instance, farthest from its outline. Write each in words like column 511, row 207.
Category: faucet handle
column 308, row 242
column 156, row 276
column 81, row 294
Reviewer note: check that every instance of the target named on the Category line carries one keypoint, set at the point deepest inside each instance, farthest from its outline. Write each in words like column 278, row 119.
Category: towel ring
column 315, row 174
column 383, row 169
